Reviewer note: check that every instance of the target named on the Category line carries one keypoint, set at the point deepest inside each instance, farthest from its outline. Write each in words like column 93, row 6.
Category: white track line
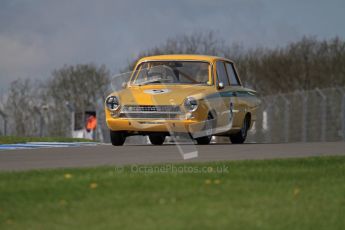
column 32, row 145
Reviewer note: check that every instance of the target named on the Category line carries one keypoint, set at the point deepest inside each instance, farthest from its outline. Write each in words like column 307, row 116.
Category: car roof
column 189, row 57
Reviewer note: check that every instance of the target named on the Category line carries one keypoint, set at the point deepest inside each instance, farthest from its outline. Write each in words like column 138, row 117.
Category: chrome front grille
column 150, row 111
column 151, row 108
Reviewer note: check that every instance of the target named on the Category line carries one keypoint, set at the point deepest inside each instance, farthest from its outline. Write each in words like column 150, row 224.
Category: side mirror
column 220, row 85
column 124, row 85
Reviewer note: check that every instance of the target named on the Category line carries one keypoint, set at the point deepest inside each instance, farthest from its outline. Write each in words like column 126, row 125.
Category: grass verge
column 16, row 140
column 271, row 194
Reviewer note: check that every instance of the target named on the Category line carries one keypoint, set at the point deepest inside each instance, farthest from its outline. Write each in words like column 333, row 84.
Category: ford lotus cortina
column 194, row 95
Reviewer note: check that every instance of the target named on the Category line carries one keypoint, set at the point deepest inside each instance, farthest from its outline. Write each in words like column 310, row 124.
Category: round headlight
column 191, row 104
column 112, row 103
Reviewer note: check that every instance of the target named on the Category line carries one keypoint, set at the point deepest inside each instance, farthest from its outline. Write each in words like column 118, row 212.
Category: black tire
column 240, row 137
column 157, row 139
column 206, row 139
column 117, row 138
column 203, row 140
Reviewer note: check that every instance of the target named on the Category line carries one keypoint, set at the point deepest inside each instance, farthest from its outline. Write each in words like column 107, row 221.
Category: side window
column 232, row 74
column 221, row 73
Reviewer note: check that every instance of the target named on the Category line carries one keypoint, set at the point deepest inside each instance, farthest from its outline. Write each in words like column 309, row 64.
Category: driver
column 202, row 74
column 162, row 73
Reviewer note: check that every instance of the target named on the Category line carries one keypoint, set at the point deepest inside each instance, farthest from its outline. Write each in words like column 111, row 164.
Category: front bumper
column 154, row 125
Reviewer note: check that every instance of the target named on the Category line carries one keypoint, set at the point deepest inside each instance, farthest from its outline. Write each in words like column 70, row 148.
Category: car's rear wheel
column 117, row 138
column 157, row 139
column 208, row 128
column 240, row 137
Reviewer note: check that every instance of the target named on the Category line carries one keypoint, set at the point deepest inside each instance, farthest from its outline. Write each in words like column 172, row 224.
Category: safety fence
column 301, row 116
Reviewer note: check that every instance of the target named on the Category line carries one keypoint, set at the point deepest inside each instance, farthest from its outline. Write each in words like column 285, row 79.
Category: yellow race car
column 169, row 95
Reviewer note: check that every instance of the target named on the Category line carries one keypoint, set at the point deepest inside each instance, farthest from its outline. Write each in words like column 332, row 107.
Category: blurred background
column 57, row 59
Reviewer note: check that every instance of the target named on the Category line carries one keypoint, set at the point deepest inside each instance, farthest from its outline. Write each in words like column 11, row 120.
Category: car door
column 236, row 89
column 227, row 102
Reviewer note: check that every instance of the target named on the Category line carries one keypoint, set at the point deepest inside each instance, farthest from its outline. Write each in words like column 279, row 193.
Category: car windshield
column 171, row 72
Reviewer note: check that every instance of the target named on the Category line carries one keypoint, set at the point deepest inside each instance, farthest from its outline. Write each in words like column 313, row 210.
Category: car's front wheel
column 117, row 138
column 205, row 140
column 240, row 137
column 156, row 139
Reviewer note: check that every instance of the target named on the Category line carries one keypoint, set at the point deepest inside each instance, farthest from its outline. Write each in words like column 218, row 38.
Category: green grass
column 15, row 140
column 272, row 194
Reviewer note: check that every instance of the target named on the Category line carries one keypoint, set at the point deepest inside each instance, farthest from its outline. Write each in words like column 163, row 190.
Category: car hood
column 161, row 95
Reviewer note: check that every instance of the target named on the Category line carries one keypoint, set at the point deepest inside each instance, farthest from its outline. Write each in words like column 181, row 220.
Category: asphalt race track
column 103, row 154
